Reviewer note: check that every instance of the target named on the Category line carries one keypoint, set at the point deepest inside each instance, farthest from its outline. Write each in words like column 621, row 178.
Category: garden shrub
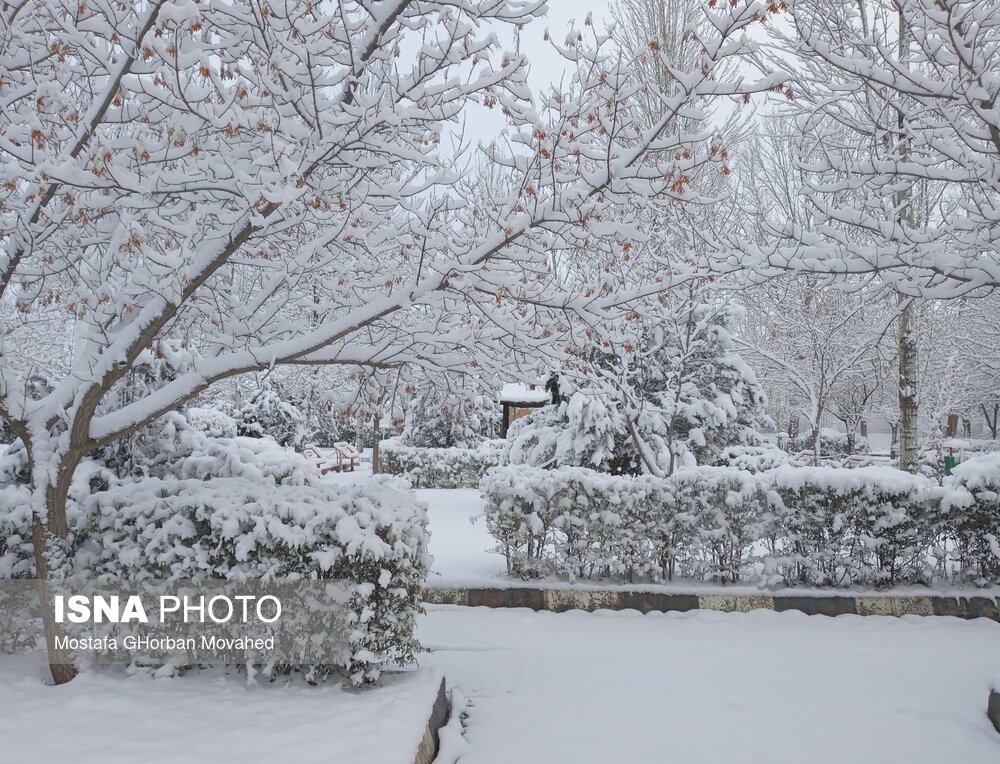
column 372, row 535
column 838, row 527
column 242, row 509
column 823, row 526
column 439, row 467
column 971, row 520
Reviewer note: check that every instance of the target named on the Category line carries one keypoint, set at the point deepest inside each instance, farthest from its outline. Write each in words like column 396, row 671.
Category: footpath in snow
column 705, row 688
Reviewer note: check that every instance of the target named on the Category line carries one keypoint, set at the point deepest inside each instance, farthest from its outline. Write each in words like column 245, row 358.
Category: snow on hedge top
column 174, row 528
column 516, row 392
column 869, row 480
column 489, row 448
column 977, row 473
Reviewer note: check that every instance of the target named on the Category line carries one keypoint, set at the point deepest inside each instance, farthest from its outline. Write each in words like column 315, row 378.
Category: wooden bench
column 347, row 456
column 323, row 464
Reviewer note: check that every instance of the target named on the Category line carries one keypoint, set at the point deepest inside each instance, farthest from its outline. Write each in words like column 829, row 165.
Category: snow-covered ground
column 460, row 542
column 105, row 717
column 706, row 688
column 580, row 688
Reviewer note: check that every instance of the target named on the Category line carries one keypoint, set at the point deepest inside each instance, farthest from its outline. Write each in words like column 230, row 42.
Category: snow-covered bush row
column 439, row 467
column 725, row 510
column 833, row 442
column 972, row 518
column 372, row 538
column 372, row 535
column 701, row 522
column 575, row 521
column 823, row 526
column 836, row 527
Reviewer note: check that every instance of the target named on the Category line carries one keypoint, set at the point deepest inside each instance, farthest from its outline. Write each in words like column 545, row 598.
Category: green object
column 949, row 464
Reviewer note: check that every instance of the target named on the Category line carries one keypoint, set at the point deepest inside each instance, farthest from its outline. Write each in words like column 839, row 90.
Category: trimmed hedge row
column 369, row 540
column 439, row 467
column 822, row 526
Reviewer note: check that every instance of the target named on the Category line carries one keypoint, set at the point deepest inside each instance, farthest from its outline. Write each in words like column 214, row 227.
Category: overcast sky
column 547, row 66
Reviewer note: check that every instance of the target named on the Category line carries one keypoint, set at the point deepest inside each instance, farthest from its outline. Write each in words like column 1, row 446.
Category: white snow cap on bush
column 972, row 516
column 822, row 526
column 212, row 422
column 185, row 451
column 977, row 474
column 372, row 536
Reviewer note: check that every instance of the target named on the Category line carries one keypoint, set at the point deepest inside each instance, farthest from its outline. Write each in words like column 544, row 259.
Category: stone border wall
column 561, row 600
column 427, row 751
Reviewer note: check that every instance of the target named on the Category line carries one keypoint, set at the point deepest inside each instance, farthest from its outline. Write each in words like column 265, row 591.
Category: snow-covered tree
column 652, row 394
column 444, row 424
column 898, row 99
column 267, row 413
column 892, row 104
column 273, row 182
column 817, row 348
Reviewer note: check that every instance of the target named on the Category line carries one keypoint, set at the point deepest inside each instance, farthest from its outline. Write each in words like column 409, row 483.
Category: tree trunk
column 952, row 429
column 375, row 445
column 359, row 433
column 992, row 423
column 49, row 543
column 908, row 434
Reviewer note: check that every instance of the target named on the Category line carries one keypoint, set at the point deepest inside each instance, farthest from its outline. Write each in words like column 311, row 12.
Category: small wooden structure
column 322, row 463
column 347, row 458
column 518, row 400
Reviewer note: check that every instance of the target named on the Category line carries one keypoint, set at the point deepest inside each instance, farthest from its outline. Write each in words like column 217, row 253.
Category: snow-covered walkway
column 460, row 543
column 706, row 688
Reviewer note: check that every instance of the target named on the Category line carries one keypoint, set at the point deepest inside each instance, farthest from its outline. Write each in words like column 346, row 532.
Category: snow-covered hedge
column 439, row 467
column 835, row 526
column 243, row 509
column 824, row 526
column 371, row 535
column 727, row 514
column 574, row 521
column 971, row 519
column 833, row 442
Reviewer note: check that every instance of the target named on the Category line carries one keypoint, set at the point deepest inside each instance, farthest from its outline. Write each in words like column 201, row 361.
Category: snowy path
column 705, row 688
column 459, row 539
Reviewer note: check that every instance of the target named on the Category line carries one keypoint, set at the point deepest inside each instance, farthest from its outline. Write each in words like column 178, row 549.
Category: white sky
column 547, row 66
